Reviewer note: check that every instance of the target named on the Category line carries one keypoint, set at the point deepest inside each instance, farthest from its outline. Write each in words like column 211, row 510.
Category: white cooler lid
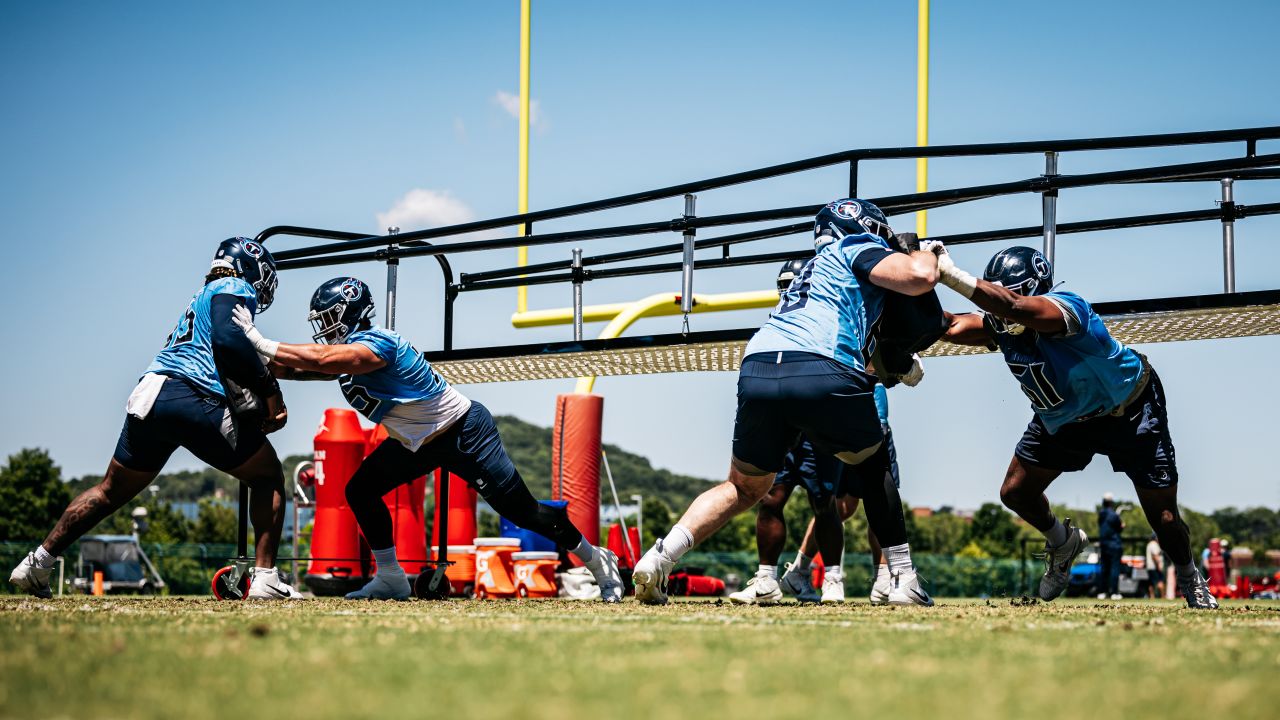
column 463, row 549
column 535, row 555
column 497, row 542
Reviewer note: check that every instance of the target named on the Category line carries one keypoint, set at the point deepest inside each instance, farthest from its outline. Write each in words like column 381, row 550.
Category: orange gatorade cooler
column 536, row 574
column 462, row 573
column 495, row 575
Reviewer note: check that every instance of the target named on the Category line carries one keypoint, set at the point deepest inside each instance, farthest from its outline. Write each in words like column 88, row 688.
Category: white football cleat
column 1057, row 562
column 1197, row 593
column 799, row 584
column 32, row 579
column 650, row 576
column 383, row 586
column 904, row 589
column 1117, row 596
column 265, row 584
column 880, row 588
column 605, row 570
column 833, row 588
column 762, row 589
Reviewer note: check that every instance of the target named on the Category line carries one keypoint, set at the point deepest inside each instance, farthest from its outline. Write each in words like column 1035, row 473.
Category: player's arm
column 910, row 274
column 967, row 329
column 1035, row 312
column 234, row 357
column 284, row 372
column 346, row 359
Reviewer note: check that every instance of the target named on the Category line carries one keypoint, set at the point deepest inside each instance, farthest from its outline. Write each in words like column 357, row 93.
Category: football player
column 797, row 580
column 209, row 392
column 429, row 424
column 805, row 372
column 1090, row 395
column 822, row 476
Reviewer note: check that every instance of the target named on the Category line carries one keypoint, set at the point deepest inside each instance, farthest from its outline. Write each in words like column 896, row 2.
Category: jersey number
column 359, row 397
column 1036, row 385
column 185, row 331
column 796, row 295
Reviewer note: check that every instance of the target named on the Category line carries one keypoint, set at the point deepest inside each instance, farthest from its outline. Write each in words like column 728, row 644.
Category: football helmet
column 251, row 261
column 849, row 216
column 337, row 309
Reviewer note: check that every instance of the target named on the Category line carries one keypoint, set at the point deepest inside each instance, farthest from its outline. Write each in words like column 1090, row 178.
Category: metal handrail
column 1248, row 135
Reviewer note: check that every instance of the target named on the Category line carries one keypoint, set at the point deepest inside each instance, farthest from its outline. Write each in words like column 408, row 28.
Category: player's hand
column 265, row 348
column 277, row 413
column 913, row 376
column 948, row 274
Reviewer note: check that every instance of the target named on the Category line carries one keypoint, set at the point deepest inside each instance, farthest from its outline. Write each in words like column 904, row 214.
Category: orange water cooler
column 535, row 574
column 495, row 568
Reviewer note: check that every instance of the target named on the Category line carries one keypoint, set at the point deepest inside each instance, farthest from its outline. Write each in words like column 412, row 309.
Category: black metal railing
column 349, row 247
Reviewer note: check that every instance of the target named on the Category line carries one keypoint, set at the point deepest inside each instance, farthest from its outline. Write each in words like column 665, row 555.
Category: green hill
column 530, row 448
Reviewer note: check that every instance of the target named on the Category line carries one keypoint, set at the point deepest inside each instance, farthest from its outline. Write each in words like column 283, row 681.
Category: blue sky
column 136, row 136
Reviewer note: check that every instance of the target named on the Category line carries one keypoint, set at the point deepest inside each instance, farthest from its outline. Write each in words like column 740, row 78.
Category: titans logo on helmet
column 252, row 249
column 1041, row 266
column 351, row 289
column 846, row 209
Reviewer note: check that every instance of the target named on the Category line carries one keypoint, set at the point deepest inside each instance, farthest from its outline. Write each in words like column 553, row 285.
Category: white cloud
column 511, row 105
column 420, row 209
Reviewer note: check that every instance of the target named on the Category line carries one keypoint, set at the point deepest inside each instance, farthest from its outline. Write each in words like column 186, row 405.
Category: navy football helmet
column 337, row 309
column 849, row 216
column 251, row 261
column 790, row 270
column 1020, row 269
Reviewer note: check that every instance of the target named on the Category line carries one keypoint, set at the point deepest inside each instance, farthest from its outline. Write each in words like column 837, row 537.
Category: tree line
column 33, row 494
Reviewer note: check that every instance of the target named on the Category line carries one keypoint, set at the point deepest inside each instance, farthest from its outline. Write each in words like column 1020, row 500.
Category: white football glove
column 950, row 275
column 913, row 376
column 266, row 348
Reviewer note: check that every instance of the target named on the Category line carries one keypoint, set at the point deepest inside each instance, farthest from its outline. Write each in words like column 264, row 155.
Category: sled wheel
column 221, row 585
column 481, row 592
column 522, row 591
column 430, row 586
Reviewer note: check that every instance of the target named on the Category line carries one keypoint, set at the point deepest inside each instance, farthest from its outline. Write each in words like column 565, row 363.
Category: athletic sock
column 833, row 571
column 1186, row 572
column 585, row 551
column 43, row 559
column 898, row 557
column 770, row 570
column 676, row 543
column 803, row 562
column 387, row 562
column 1057, row 534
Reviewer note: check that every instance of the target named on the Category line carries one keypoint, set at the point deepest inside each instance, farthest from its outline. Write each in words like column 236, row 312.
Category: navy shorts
column 1137, row 442
column 784, row 395
column 188, row 417
column 470, row 448
column 856, row 477
column 821, row 475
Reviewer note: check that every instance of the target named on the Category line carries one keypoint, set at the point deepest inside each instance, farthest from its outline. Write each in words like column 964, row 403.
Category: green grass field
column 196, row 658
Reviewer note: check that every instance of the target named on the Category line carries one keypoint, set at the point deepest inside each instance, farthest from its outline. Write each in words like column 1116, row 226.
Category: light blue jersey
column 1074, row 376
column 829, row 309
column 406, row 378
column 188, row 353
column 882, row 404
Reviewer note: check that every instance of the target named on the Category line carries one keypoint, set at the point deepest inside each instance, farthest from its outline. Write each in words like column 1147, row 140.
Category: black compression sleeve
column 233, row 354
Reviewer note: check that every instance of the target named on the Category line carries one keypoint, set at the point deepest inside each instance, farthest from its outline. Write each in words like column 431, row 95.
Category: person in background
column 1110, row 547
column 1155, row 568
